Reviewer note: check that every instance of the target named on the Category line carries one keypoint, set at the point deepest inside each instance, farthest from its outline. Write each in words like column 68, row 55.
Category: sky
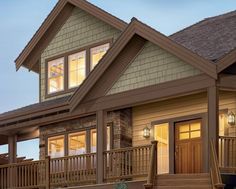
column 20, row 19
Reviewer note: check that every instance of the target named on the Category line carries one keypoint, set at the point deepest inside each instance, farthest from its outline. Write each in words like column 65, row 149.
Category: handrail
column 228, row 137
column 127, row 148
column 152, row 166
column 214, row 168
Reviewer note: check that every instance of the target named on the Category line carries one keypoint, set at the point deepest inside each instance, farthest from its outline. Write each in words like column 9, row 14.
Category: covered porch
column 120, row 148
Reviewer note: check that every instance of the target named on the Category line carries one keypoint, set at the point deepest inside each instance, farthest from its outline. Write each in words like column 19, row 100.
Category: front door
column 188, row 147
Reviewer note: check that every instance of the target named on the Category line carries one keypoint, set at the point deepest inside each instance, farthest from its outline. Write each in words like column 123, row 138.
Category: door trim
column 205, row 138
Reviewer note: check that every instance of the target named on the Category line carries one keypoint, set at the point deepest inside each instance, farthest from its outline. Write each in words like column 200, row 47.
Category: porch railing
column 127, row 163
column 214, row 168
column 66, row 171
column 227, row 153
column 23, row 175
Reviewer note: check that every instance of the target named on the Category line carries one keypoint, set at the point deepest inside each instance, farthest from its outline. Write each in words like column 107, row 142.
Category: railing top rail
column 227, row 137
column 215, row 164
column 22, row 163
column 127, row 148
column 74, row 156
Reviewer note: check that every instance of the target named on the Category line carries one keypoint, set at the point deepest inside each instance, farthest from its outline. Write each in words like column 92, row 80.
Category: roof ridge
column 220, row 15
column 203, row 20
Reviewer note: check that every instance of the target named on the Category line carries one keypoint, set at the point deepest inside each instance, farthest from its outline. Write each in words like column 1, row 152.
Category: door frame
column 205, row 138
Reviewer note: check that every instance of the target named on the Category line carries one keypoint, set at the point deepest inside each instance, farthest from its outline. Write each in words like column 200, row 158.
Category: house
column 121, row 101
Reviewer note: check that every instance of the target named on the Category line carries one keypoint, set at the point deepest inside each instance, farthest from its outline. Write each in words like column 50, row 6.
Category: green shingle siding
column 152, row 66
column 80, row 30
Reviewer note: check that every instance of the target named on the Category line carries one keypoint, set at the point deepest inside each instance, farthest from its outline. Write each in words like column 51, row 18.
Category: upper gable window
column 97, row 53
column 56, row 75
column 77, row 68
column 68, row 72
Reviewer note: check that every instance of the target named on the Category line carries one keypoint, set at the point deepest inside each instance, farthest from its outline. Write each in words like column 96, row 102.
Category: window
column 77, row 143
column 161, row 134
column 56, row 146
column 97, row 53
column 77, row 69
column 93, row 141
column 56, row 75
column 190, row 131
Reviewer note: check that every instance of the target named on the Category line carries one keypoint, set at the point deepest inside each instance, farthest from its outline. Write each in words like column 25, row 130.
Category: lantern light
column 146, row 132
column 231, row 118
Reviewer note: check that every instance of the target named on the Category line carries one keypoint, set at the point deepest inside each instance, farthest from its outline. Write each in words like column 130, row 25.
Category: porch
column 137, row 164
column 129, row 164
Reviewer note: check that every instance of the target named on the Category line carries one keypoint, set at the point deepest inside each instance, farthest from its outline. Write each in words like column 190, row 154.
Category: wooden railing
column 152, row 167
column 227, row 153
column 127, row 163
column 66, row 171
column 121, row 164
column 23, row 175
column 214, row 168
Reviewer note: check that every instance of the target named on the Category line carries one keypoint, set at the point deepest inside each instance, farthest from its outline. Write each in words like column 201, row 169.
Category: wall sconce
column 231, row 118
column 146, row 132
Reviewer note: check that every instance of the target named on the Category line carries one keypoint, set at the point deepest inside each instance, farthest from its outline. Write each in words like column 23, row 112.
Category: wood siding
column 174, row 108
column 152, row 66
column 80, row 30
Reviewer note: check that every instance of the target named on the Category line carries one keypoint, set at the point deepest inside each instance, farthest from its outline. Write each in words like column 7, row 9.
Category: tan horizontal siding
column 178, row 107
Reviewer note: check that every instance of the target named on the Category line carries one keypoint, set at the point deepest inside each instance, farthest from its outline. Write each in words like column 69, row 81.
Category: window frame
column 47, row 76
column 66, row 67
column 87, row 131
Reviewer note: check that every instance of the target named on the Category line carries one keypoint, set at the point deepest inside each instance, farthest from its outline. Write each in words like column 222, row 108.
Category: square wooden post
column 101, row 136
column 213, row 117
column 12, row 148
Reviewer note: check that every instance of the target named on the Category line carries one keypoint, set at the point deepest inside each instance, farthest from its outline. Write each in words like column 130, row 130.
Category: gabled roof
column 211, row 38
column 135, row 28
column 148, row 33
column 30, row 55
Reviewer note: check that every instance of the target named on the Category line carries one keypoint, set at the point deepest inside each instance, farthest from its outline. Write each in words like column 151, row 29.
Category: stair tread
column 183, row 181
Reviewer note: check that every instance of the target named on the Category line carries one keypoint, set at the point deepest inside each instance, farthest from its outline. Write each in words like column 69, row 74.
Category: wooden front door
column 188, row 147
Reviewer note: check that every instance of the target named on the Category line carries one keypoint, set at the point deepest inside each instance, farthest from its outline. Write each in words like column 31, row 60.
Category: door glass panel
column 184, row 128
column 195, row 126
column 195, row 134
column 161, row 134
column 77, row 143
column 56, row 146
column 183, row 136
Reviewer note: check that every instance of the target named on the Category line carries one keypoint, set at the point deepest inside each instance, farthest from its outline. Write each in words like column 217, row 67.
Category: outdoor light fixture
column 231, row 118
column 146, row 132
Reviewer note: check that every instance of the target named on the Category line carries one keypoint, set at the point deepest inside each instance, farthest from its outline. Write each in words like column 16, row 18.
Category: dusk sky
column 21, row 18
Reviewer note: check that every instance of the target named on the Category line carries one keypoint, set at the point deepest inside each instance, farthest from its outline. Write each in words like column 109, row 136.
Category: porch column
column 213, row 113
column 12, row 148
column 101, row 135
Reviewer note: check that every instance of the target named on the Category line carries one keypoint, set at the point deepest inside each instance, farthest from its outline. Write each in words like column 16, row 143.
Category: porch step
column 183, row 181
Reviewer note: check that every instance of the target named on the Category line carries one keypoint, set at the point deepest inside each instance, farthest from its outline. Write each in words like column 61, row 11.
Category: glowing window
column 93, row 140
column 161, row 134
column 190, row 130
column 77, row 69
column 97, row 53
column 56, row 75
column 77, row 143
column 56, row 146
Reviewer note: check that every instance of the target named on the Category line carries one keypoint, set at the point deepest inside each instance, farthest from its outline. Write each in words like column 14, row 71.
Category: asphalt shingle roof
column 211, row 38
